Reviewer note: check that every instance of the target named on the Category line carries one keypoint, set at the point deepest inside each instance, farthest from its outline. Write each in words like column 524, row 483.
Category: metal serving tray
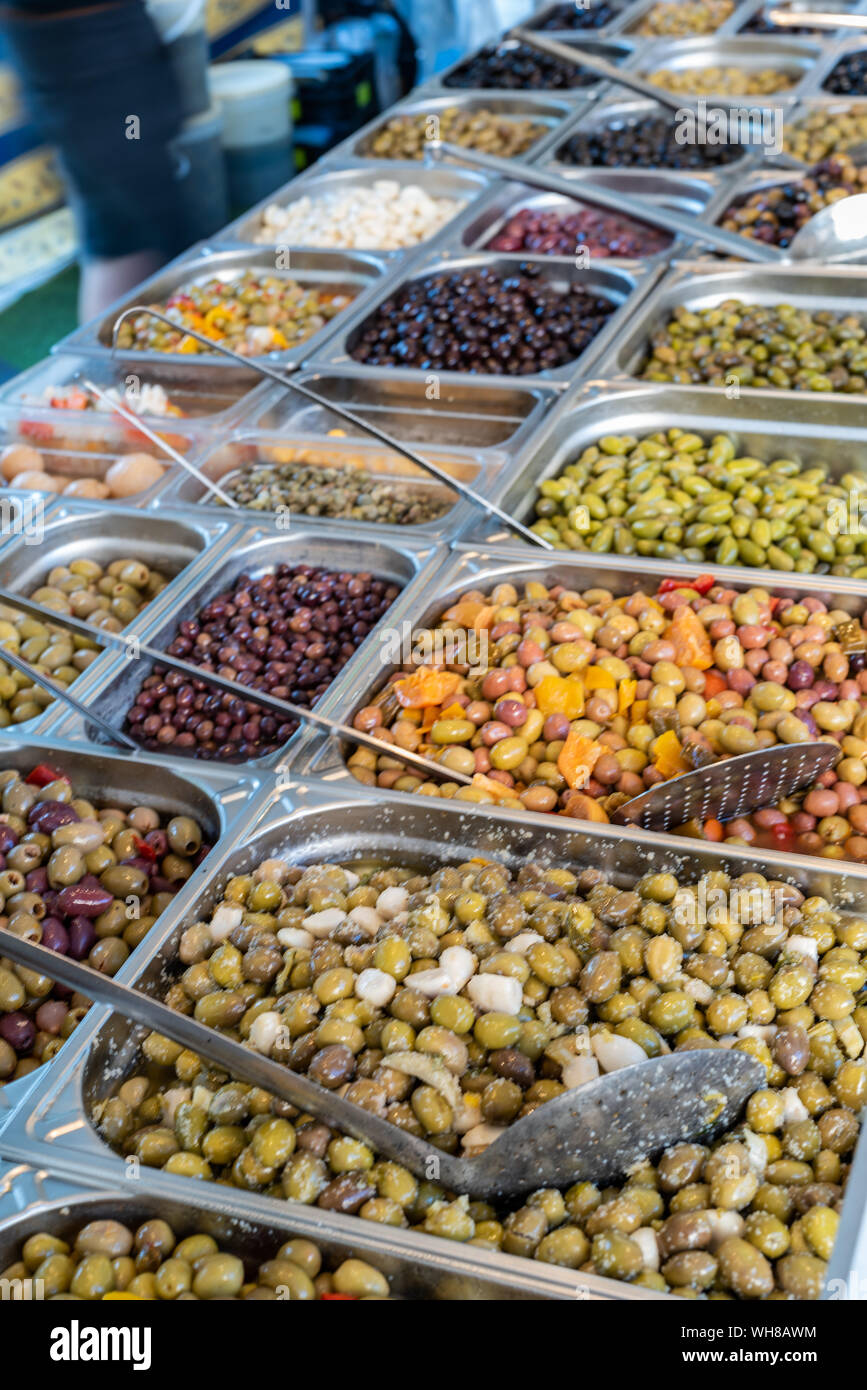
column 208, row 399
column 180, row 545
column 793, row 56
column 462, row 185
column 826, row 105
column 484, row 221
column 615, row 110
column 113, row 681
column 699, row 285
column 551, row 111
column 311, row 822
column 637, row 13
column 354, row 272
column 759, row 181
column 471, row 414
column 483, row 565
column 33, row 1200
column 247, row 448
column 813, row 428
column 566, row 31
column 221, row 799
column 832, row 55
column 752, row 7
column 84, row 444
column 615, row 50
column 625, row 285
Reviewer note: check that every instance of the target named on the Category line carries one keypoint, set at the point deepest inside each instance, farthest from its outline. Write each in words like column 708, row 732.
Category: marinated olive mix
column 760, row 345
column 643, row 142
column 289, row 632
column 515, row 66
column 849, row 76
column 407, row 137
column 107, row 1258
column 349, row 493
column 776, row 214
column 822, row 132
column 589, row 700
column 252, row 314
column 679, row 18
column 456, row 1002
column 723, row 81
column 484, row 320
column 680, row 495
column 85, row 880
column 550, row 233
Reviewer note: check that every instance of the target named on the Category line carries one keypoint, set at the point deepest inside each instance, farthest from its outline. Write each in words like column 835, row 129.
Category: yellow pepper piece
column 560, row 695
column 638, row 712
column 116, row 1296
column 455, row 711
column 578, row 757
column 626, row 696
column 667, row 755
column 597, row 678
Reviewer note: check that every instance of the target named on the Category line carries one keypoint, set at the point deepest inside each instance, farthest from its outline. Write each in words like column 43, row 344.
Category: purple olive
column 158, row 841
column 82, row 934
column 801, row 675
column 54, row 935
column 50, row 1016
column 48, row 816
column 36, row 880
column 18, row 1031
column 82, row 900
column 8, row 839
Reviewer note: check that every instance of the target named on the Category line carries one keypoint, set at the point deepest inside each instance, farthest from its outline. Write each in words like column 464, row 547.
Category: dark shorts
column 100, row 89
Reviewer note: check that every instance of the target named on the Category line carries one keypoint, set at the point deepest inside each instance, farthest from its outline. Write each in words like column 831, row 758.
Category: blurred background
column 231, row 98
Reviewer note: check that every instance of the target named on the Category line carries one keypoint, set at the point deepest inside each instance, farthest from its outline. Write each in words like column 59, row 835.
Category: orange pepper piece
column 578, row 757
column 667, row 753
column 714, row 683
column 638, row 712
column 426, row 686
column 626, row 696
column 560, row 695
column 471, row 613
column 686, row 633
column 597, row 678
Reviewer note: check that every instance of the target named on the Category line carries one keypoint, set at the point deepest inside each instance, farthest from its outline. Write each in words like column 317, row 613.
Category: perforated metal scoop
column 732, row 787
column 596, row 1131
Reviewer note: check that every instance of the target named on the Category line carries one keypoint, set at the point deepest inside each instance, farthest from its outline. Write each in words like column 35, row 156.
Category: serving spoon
column 595, row 1131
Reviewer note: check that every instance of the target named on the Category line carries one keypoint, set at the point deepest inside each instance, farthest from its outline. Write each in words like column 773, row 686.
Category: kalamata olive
column 18, row 1030
column 48, row 816
column 84, row 900
column 54, row 935
column 82, row 935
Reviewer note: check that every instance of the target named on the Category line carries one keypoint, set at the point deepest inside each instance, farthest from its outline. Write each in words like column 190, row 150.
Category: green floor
column 31, row 326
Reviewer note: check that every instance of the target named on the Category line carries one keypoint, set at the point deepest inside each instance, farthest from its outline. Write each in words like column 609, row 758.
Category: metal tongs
column 595, row 1131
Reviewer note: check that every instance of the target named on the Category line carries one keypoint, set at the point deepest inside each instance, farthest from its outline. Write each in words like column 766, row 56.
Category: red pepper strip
column 42, row 774
column 35, row 429
column 338, row 1297
column 702, row 585
column 144, row 850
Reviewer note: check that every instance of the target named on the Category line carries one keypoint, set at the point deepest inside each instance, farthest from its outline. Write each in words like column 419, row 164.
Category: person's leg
column 99, row 85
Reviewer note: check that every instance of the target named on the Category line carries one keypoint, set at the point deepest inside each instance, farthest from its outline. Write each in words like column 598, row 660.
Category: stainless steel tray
column 478, row 226
column 759, row 181
column 625, row 285
column 832, row 55
column 563, row 32
column 354, row 272
column 700, row 285
column 810, row 426
column 616, row 109
column 614, row 49
column 220, row 798
column 471, row 414
column 32, row 1200
column 208, row 399
column 483, row 565
column 824, row 103
column 462, row 185
column 793, row 56
column 246, row 448
column 311, row 822
column 745, row 12
column 549, row 110
column 109, row 686
column 637, row 13
column 84, row 444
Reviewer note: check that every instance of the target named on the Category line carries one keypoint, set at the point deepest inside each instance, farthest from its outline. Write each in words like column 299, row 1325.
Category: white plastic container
column 254, row 97
column 181, row 26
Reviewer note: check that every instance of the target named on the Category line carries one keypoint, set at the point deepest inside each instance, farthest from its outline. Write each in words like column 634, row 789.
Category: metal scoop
column 787, row 18
column 838, row 233
column 228, row 687
column 732, row 787
column 59, row 693
column 679, row 223
column 593, row 1131
column 579, row 58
